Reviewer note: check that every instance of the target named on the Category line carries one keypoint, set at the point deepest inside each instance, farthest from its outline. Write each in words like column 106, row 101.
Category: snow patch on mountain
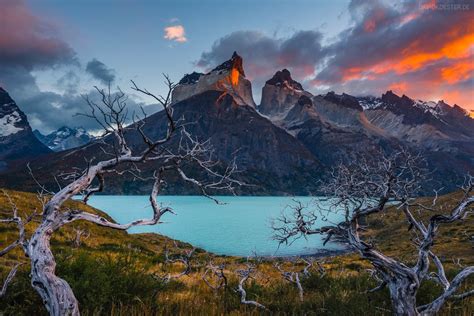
column 370, row 103
column 7, row 124
column 65, row 138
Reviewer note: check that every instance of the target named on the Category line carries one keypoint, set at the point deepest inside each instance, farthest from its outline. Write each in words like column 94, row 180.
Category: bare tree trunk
column 403, row 297
column 111, row 114
column 56, row 293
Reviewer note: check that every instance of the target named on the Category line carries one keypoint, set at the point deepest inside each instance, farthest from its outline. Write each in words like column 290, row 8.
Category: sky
column 54, row 51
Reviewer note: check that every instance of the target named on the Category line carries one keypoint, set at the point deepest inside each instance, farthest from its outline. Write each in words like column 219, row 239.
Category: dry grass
column 111, row 273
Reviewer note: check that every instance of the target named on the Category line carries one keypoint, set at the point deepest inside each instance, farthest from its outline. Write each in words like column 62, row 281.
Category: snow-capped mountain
column 293, row 138
column 65, row 138
column 17, row 141
column 342, row 127
column 437, row 109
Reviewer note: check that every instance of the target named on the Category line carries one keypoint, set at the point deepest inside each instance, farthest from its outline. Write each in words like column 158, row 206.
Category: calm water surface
column 239, row 227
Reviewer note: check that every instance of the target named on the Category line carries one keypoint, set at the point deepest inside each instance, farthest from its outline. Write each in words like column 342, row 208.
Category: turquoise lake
column 239, row 227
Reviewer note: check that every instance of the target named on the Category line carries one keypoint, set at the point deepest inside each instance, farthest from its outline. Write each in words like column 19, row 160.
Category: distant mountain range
column 65, row 138
column 292, row 138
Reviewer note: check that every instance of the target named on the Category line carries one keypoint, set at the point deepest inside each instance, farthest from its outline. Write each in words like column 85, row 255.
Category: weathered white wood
column 111, row 114
column 366, row 189
column 8, row 279
column 244, row 275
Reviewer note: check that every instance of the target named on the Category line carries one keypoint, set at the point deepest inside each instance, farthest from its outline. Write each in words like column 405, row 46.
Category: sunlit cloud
column 175, row 33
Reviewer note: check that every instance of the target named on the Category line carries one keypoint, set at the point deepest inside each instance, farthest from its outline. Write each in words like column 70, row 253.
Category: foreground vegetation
column 114, row 273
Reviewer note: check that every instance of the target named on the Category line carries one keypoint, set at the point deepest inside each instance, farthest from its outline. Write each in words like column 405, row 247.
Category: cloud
column 425, row 49
column 29, row 44
column 69, row 82
column 99, row 71
column 175, row 33
column 263, row 55
column 425, row 53
column 48, row 111
column 28, row 41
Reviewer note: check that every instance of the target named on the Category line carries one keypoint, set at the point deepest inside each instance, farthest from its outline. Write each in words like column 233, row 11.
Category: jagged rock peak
column 343, row 99
column 280, row 94
column 235, row 62
column 282, row 76
column 228, row 77
column 16, row 137
column 191, row 78
column 65, row 138
column 12, row 119
column 392, row 98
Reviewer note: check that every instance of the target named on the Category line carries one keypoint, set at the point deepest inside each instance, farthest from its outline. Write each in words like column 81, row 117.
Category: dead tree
column 216, row 272
column 80, row 233
column 371, row 188
column 296, row 275
column 112, row 115
column 244, row 275
column 183, row 258
column 9, row 278
column 20, row 242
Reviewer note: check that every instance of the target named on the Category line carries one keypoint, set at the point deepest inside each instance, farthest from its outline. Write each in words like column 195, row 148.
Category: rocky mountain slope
column 345, row 128
column 294, row 138
column 269, row 159
column 65, row 138
column 17, row 141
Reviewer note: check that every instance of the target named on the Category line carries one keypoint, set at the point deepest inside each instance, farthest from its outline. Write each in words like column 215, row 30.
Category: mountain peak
column 280, row 93
column 390, row 97
column 227, row 77
column 284, row 76
column 65, row 138
column 191, row 78
column 344, row 99
column 16, row 138
column 235, row 62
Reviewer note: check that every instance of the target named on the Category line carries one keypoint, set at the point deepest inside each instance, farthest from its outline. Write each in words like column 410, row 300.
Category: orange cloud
column 458, row 72
column 175, row 33
column 399, row 87
column 425, row 69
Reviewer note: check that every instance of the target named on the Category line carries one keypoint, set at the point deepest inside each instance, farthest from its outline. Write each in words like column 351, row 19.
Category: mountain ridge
column 64, row 138
column 286, row 144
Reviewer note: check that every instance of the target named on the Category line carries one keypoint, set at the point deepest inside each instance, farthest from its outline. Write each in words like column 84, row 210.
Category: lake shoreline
column 323, row 253
column 239, row 227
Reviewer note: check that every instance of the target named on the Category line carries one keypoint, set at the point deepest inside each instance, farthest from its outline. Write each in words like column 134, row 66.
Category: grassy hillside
column 111, row 273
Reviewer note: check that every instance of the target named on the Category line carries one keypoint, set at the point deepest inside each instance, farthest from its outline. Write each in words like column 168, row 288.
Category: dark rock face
column 344, row 100
column 286, row 151
column 333, row 132
column 235, row 62
column 279, row 94
column 191, row 78
column 269, row 159
column 17, row 141
column 344, row 128
column 65, row 138
column 305, row 101
column 280, row 77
